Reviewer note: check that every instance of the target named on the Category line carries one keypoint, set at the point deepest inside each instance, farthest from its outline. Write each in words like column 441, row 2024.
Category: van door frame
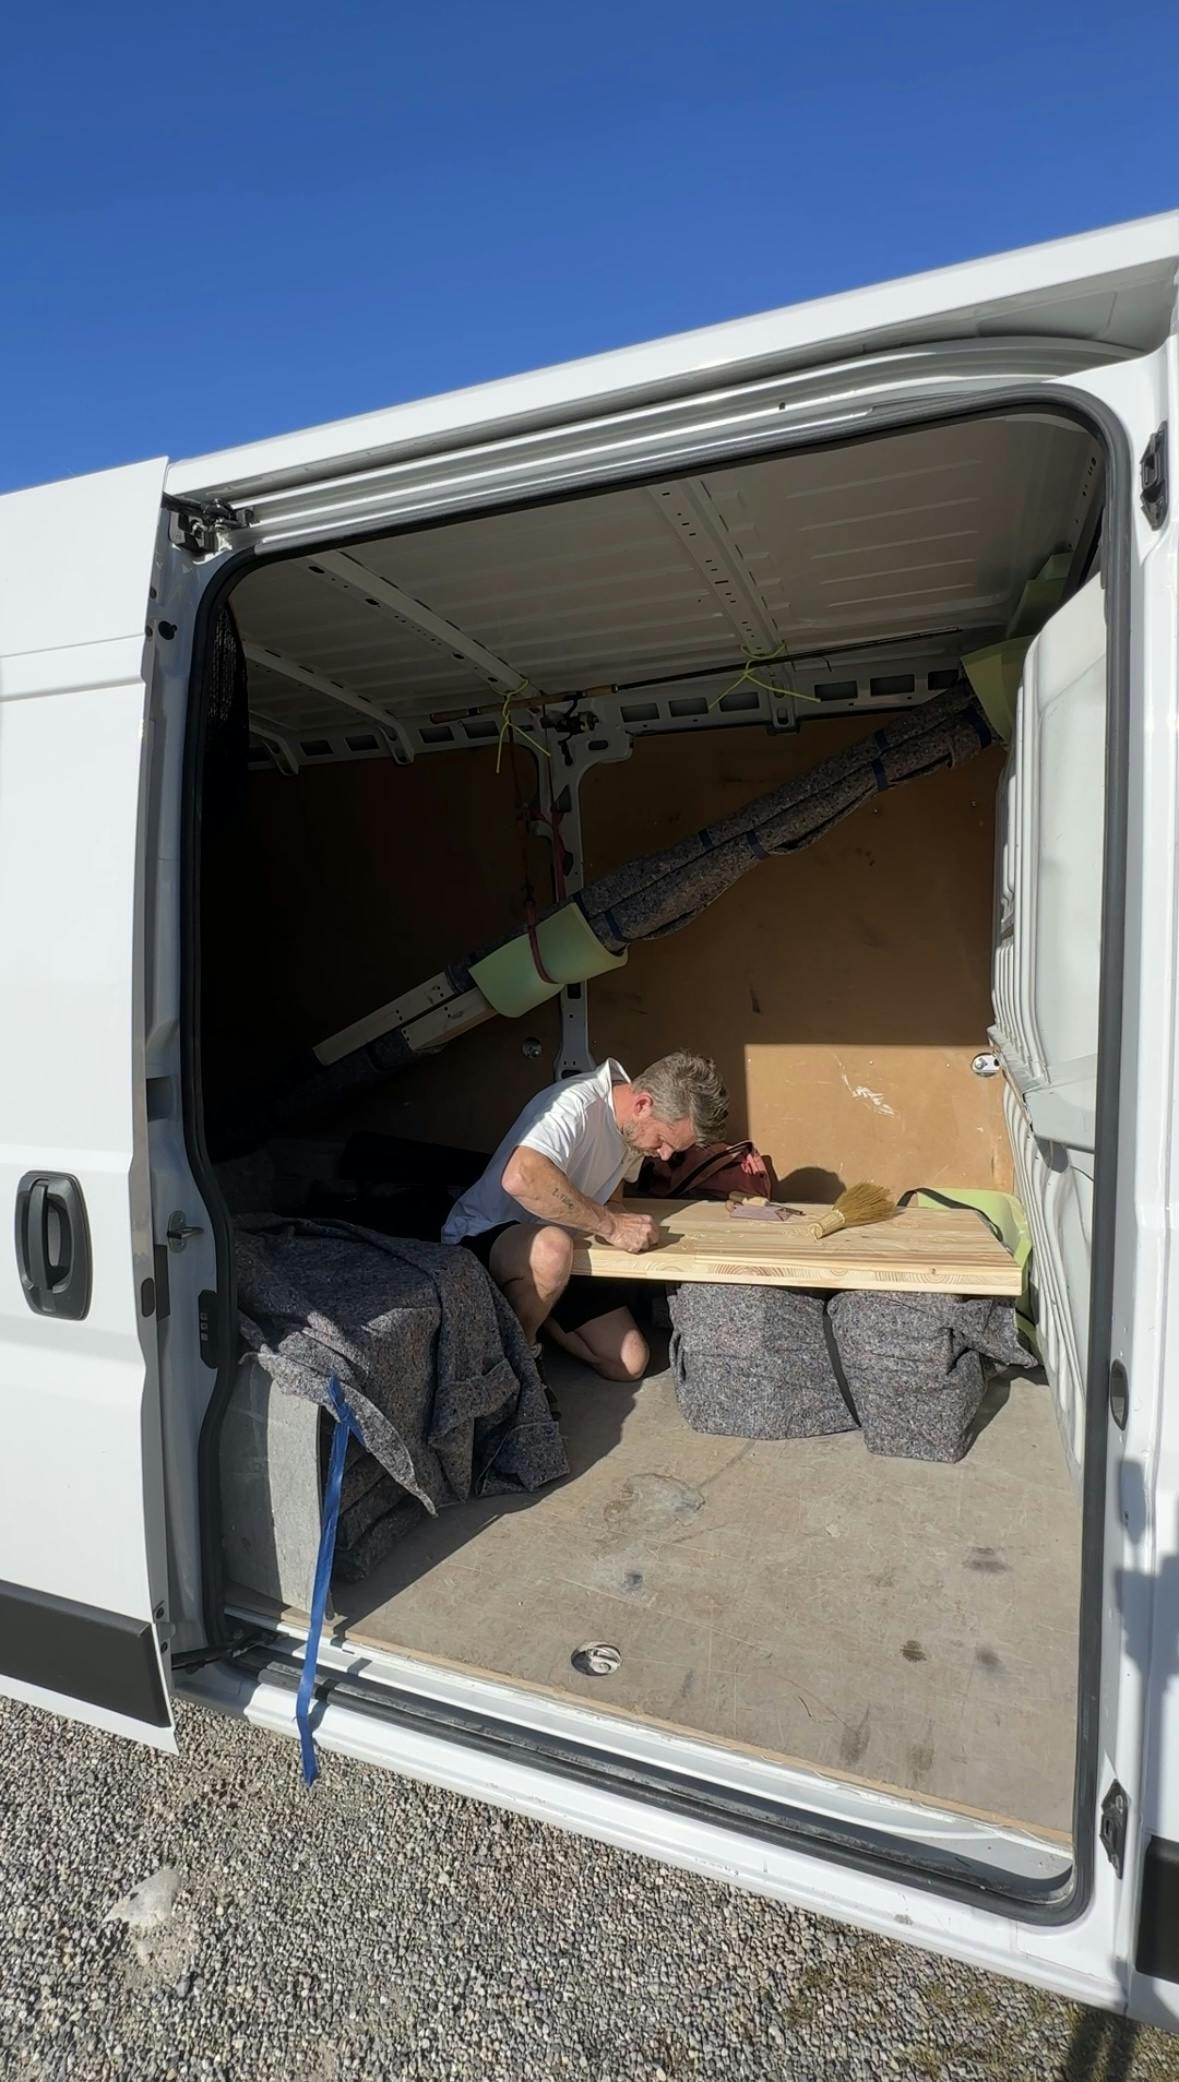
column 992, row 1891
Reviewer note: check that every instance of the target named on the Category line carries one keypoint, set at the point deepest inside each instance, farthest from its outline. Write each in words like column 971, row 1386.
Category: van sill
column 1003, row 1868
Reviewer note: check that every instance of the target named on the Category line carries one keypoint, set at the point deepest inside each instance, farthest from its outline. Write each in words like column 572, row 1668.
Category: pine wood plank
column 933, row 1250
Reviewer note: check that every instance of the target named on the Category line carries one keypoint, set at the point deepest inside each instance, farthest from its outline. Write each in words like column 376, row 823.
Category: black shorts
column 583, row 1301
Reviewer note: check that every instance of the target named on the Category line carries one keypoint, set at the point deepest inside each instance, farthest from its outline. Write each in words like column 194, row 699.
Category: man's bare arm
column 542, row 1188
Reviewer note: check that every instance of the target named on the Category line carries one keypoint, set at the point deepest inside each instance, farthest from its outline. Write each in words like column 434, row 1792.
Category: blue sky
column 223, row 223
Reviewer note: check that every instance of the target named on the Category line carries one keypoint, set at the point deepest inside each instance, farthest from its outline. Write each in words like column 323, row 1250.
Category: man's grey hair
column 687, row 1087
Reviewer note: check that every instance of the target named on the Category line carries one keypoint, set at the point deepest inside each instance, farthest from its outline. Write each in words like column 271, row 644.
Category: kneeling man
column 561, row 1169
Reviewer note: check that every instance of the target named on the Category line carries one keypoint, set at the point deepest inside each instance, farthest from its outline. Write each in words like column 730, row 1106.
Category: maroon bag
column 715, row 1171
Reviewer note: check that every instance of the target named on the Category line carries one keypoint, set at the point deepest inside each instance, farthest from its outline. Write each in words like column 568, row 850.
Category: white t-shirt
column 571, row 1123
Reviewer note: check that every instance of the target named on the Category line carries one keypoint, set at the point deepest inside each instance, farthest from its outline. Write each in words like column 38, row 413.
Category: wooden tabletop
column 935, row 1250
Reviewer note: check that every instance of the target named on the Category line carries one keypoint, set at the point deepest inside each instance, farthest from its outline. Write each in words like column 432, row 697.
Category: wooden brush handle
column 827, row 1224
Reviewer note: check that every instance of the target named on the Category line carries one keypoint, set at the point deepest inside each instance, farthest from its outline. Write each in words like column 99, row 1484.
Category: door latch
column 179, row 1230
column 1115, row 1814
column 1152, row 477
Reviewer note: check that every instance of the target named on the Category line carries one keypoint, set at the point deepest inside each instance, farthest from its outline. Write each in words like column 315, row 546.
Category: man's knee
column 550, row 1260
column 627, row 1361
column 633, row 1355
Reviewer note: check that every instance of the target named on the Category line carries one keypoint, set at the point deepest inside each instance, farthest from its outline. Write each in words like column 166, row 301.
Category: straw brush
column 854, row 1209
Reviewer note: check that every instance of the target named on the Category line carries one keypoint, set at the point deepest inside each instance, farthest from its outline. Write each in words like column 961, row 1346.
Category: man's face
column 646, row 1132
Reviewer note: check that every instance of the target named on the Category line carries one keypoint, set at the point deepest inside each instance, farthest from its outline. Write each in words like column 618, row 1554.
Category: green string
column 507, row 726
column 749, row 678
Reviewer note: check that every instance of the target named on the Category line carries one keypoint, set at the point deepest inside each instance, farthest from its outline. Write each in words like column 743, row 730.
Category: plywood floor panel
column 907, row 1623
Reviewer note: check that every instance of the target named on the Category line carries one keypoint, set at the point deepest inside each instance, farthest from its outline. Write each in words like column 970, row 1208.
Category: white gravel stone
column 376, row 1929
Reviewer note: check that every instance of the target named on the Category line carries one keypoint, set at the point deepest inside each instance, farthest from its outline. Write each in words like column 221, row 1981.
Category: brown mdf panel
column 844, row 989
column 472, row 1091
column 365, row 879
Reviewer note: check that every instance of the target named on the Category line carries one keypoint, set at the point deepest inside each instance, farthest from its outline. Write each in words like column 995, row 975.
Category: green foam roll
column 569, row 949
column 995, row 674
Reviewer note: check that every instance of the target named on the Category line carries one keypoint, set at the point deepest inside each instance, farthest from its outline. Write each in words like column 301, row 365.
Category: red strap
column 552, row 817
column 534, row 943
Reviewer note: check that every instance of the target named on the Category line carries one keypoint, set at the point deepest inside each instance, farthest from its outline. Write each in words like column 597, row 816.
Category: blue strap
column 345, row 1426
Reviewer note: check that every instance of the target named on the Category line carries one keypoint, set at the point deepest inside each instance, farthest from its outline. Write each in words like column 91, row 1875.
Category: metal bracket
column 597, row 742
column 179, row 1230
column 203, row 529
column 281, row 747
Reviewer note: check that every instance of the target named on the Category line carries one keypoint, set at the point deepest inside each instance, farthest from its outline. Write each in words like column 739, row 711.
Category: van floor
column 908, row 1624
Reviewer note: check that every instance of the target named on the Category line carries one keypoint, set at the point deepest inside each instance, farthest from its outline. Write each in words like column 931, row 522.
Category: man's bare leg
column 532, row 1266
column 613, row 1345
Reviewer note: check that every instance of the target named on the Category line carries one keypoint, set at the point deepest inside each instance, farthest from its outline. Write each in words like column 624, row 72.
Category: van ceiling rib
column 872, row 548
column 389, row 599
column 689, row 509
column 278, row 666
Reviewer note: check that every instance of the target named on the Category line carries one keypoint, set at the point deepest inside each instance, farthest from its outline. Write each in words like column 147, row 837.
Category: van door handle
column 53, row 1244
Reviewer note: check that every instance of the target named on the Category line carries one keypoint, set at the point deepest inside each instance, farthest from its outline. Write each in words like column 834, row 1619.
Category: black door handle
column 53, row 1244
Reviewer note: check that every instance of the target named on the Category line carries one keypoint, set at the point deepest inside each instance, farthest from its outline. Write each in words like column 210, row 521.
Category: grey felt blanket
column 777, row 1363
column 432, row 1362
column 914, row 1366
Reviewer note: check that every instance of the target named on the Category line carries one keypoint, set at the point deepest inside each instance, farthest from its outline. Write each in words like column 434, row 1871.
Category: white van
column 941, row 1702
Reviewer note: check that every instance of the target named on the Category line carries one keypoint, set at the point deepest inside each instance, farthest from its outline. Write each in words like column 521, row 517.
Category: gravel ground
column 376, row 1929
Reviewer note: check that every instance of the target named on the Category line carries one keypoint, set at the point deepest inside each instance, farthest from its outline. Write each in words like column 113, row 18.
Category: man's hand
column 541, row 1187
column 633, row 1232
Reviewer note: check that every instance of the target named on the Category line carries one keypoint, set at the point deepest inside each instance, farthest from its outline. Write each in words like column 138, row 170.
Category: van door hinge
column 1152, row 477
column 1115, row 1813
column 206, row 528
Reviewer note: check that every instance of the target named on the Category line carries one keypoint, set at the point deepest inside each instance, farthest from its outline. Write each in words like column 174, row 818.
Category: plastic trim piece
column 83, row 1653
column 1158, row 1911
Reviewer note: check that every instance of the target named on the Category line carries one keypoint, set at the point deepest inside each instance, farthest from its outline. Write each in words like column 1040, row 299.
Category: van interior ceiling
column 452, row 732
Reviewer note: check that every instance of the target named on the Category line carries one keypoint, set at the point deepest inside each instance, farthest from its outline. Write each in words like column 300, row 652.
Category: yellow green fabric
column 570, row 950
column 1041, row 596
column 995, row 673
column 1006, row 1212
